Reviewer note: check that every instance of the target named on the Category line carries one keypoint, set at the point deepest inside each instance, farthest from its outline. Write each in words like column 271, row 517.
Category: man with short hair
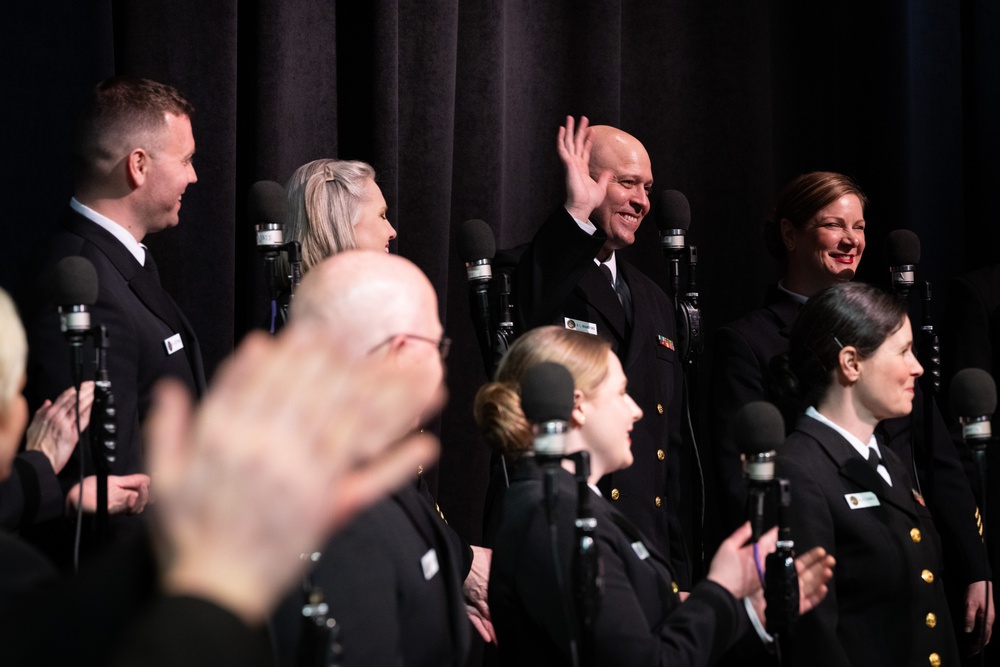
column 132, row 155
column 571, row 275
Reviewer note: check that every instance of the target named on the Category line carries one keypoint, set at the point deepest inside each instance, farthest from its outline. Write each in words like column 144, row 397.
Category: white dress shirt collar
column 137, row 249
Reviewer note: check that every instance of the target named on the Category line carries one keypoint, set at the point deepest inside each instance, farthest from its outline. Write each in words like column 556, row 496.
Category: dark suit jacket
column 886, row 604
column 741, row 358
column 139, row 316
column 192, row 632
column 641, row 620
column 557, row 279
column 392, row 581
column 31, row 493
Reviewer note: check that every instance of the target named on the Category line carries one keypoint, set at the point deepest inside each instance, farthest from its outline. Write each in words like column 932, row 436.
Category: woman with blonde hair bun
column 642, row 620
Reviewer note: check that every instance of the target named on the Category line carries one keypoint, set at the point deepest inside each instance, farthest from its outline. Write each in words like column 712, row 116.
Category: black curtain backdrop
column 457, row 104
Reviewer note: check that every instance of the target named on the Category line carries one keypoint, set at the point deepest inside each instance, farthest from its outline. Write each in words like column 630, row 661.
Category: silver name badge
column 857, row 501
column 580, row 325
column 429, row 563
column 640, row 550
column 173, row 344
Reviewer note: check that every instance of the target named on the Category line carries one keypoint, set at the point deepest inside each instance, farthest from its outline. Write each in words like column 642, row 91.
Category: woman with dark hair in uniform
column 851, row 359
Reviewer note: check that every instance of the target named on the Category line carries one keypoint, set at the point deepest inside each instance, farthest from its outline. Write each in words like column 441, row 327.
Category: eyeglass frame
column 443, row 344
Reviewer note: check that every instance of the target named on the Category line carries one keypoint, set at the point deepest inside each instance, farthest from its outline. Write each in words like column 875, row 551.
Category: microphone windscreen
column 673, row 211
column 547, row 393
column 902, row 247
column 758, row 427
column 476, row 241
column 973, row 393
column 73, row 282
column 268, row 203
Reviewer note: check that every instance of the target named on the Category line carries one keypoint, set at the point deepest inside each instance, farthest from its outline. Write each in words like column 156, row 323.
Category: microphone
column 73, row 288
column 267, row 207
column 476, row 247
column 902, row 249
column 759, row 430
column 974, row 399
column 547, row 402
column 673, row 219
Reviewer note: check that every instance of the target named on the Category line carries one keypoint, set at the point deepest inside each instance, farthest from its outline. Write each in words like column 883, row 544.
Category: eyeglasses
column 443, row 345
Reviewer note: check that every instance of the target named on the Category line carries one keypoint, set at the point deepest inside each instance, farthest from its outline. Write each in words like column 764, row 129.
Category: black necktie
column 150, row 266
column 624, row 298
column 874, row 460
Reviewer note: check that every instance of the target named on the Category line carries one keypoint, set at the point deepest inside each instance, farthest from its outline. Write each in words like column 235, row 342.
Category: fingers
column 739, row 537
column 483, row 626
column 815, row 569
column 767, row 542
column 166, row 428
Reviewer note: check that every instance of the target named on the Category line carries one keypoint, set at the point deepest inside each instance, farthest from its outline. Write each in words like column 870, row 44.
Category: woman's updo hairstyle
column 801, row 199
column 497, row 407
column 849, row 314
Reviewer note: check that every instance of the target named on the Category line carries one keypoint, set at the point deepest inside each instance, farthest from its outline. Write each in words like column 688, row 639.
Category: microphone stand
column 930, row 349
column 103, row 429
column 504, row 334
column 979, row 455
column 320, row 645
column 781, row 583
column 586, row 565
column 691, row 345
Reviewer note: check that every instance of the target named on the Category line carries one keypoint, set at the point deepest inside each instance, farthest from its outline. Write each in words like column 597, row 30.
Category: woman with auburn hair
column 817, row 231
column 641, row 619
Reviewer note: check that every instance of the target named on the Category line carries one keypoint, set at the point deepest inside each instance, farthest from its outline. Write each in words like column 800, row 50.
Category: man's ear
column 137, row 167
column 849, row 363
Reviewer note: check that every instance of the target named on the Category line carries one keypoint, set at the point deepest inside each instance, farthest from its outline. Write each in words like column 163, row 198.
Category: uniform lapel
column 602, row 297
column 854, row 468
column 146, row 286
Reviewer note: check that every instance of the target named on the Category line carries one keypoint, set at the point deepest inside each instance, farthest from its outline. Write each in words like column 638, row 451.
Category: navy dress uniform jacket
column 641, row 620
column 741, row 374
column 886, row 604
column 139, row 316
column 557, row 282
column 393, row 582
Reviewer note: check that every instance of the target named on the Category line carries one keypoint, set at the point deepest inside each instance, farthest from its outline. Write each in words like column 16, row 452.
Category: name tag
column 173, row 344
column 640, row 550
column 580, row 325
column 429, row 563
column 857, row 501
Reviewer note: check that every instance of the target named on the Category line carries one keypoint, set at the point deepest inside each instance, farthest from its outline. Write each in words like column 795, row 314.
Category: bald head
column 365, row 297
column 627, row 199
column 612, row 146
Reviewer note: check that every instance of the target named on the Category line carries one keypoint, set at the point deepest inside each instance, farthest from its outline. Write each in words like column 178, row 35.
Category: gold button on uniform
column 660, row 454
column 614, row 494
column 674, row 587
column 927, row 576
column 657, row 501
column 915, row 535
column 934, row 660
column 659, row 408
column 931, row 620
